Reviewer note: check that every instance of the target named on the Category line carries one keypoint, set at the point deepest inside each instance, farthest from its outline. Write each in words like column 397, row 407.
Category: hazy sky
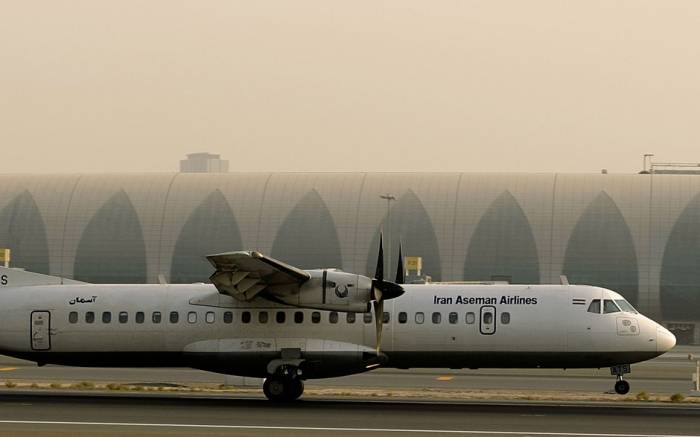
column 297, row 85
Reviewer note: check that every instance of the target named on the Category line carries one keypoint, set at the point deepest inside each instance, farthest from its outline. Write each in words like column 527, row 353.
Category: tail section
column 10, row 277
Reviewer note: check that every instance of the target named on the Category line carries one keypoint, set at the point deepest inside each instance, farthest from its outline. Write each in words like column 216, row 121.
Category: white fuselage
column 455, row 326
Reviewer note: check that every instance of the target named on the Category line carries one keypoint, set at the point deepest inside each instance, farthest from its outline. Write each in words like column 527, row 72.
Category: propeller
column 400, row 272
column 382, row 290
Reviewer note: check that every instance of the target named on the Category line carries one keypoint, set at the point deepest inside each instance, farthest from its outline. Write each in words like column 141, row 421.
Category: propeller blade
column 382, row 290
column 379, row 322
column 400, row 273
column 379, row 272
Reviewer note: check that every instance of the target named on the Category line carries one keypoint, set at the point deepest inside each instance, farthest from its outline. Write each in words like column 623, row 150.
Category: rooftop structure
column 203, row 163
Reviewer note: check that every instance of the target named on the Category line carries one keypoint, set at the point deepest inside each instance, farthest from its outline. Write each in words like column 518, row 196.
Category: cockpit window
column 625, row 306
column 609, row 306
column 594, row 307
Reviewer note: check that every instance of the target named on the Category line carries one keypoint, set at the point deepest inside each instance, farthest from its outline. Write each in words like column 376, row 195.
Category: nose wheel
column 622, row 387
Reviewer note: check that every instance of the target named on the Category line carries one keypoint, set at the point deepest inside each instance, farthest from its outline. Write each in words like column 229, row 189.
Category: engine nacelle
column 332, row 290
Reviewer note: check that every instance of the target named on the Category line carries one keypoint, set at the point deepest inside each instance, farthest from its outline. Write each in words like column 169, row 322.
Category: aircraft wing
column 243, row 275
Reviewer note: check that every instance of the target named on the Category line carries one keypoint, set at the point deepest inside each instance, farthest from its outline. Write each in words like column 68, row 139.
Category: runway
column 73, row 414
column 56, row 415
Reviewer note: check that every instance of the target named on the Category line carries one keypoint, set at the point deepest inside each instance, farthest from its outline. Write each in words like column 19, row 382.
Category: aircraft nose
column 665, row 340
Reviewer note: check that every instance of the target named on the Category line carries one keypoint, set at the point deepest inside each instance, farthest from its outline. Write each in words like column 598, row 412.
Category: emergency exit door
column 487, row 322
column 41, row 330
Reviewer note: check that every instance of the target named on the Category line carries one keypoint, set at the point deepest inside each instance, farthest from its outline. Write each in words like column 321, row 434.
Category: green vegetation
column 677, row 397
column 642, row 396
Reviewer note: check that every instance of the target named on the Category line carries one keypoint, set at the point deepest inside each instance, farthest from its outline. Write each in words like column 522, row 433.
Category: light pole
column 389, row 198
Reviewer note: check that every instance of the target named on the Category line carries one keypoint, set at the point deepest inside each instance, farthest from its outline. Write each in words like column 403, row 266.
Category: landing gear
column 284, row 386
column 622, row 387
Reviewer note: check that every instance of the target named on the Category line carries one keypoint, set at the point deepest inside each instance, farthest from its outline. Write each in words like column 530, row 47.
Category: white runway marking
column 334, row 429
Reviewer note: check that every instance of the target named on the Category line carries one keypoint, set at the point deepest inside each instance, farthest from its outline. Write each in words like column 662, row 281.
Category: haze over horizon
column 311, row 85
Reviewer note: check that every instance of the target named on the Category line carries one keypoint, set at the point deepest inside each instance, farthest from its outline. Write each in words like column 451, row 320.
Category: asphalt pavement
column 83, row 414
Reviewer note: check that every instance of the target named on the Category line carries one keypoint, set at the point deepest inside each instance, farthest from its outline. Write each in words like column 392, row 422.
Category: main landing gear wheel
column 297, row 389
column 622, row 387
column 280, row 389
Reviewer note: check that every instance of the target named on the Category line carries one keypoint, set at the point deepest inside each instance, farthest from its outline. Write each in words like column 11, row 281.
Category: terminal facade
column 637, row 234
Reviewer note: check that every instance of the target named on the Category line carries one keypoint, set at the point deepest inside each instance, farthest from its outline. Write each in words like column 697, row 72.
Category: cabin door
column 41, row 330
column 487, row 321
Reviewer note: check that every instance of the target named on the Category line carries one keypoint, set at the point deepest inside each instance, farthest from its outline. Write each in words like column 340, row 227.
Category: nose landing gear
column 284, row 386
column 622, row 387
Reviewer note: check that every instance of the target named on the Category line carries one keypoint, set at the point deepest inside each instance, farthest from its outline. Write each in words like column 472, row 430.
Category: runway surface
column 58, row 415
column 670, row 373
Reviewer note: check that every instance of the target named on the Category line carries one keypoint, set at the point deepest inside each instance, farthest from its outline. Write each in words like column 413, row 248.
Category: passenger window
column 228, row 317
column 281, row 317
column 610, row 307
column 420, row 318
column 262, row 317
column 350, row 317
column 209, row 317
column 123, row 317
column 470, row 318
column 89, row 317
column 594, row 307
column 106, row 317
column 315, row 317
column 174, row 316
column 505, row 318
column 386, row 317
column 299, row 317
column 140, row 317
column 453, row 318
column 333, row 317
column 437, row 317
column 488, row 318
column 156, row 317
column 73, row 317
column 246, row 317
column 403, row 317
column 367, row 317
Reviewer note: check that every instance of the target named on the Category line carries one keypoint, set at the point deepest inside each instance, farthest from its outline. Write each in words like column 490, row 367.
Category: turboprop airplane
column 264, row 318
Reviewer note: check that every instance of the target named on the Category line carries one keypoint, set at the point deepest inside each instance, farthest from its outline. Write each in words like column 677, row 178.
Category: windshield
column 610, row 307
column 625, row 306
column 594, row 307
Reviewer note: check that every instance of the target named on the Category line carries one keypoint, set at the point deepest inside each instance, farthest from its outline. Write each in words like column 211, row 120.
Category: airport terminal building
column 638, row 234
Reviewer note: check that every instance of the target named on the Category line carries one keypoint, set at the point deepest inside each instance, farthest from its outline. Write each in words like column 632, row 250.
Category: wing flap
column 244, row 275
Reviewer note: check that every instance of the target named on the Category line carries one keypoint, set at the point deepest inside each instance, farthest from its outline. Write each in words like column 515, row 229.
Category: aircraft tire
column 276, row 389
column 622, row 387
column 279, row 389
column 297, row 390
